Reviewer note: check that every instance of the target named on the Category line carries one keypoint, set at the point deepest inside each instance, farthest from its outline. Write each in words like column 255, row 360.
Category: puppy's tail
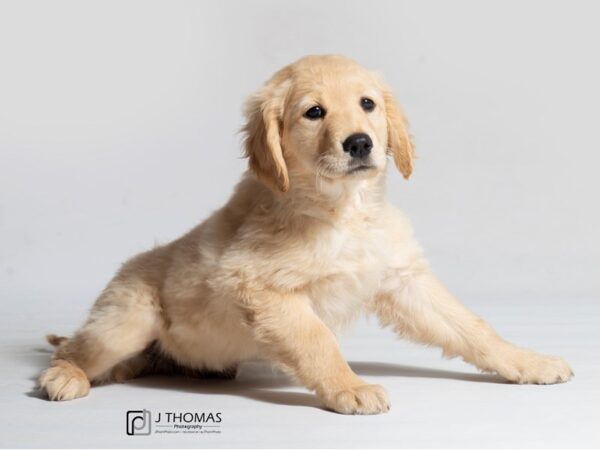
column 55, row 340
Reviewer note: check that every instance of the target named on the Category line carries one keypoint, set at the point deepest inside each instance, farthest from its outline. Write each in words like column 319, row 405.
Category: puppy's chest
column 345, row 270
column 346, row 252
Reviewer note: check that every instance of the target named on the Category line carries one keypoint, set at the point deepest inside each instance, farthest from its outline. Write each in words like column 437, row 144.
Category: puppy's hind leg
column 123, row 322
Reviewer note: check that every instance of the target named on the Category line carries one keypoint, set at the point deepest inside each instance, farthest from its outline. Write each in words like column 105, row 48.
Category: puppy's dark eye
column 367, row 104
column 314, row 113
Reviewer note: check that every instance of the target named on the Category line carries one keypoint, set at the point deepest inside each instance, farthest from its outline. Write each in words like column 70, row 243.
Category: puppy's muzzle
column 358, row 145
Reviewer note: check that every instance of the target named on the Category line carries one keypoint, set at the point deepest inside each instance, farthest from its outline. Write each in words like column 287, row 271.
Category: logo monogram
column 138, row 423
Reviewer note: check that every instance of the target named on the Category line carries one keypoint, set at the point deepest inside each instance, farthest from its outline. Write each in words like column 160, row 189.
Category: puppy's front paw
column 64, row 381
column 530, row 367
column 363, row 399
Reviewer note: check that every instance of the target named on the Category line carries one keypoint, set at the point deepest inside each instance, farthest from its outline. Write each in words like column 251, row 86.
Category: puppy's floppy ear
column 262, row 141
column 399, row 141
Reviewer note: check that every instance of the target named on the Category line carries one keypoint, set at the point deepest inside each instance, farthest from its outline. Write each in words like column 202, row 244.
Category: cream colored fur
column 300, row 250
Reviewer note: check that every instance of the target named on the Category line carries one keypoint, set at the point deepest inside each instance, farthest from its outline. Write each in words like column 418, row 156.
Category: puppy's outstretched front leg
column 418, row 307
column 293, row 336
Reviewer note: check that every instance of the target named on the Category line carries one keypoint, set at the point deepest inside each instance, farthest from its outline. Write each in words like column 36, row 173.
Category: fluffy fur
column 305, row 244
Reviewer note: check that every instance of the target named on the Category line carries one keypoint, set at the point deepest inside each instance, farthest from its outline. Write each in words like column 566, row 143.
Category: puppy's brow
column 309, row 100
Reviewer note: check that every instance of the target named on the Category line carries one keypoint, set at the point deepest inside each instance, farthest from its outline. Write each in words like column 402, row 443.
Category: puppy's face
column 327, row 117
column 334, row 123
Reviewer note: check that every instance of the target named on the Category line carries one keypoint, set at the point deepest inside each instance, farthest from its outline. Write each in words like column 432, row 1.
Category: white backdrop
column 118, row 124
column 118, row 128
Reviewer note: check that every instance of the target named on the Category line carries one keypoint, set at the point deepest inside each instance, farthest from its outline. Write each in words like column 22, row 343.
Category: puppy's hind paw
column 64, row 381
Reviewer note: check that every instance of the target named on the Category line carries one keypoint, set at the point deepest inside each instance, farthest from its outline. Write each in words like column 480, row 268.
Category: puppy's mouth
column 360, row 168
column 332, row 167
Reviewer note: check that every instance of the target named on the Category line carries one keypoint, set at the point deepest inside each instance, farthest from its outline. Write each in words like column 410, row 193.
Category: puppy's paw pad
column 64, row 381
column 364, row 399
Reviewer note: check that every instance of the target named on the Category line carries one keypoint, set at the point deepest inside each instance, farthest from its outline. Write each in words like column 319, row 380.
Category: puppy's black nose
column 358, row 145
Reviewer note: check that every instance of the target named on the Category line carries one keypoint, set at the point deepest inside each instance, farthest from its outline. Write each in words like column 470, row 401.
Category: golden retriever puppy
column 306, row 243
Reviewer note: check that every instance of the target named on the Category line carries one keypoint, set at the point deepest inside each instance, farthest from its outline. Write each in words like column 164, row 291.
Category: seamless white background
column 118, row 129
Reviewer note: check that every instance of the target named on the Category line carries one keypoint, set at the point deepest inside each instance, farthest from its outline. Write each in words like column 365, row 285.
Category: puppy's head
column 325, row 116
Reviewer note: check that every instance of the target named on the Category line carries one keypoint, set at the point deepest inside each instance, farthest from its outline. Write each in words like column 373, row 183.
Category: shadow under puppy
column 306, row 243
